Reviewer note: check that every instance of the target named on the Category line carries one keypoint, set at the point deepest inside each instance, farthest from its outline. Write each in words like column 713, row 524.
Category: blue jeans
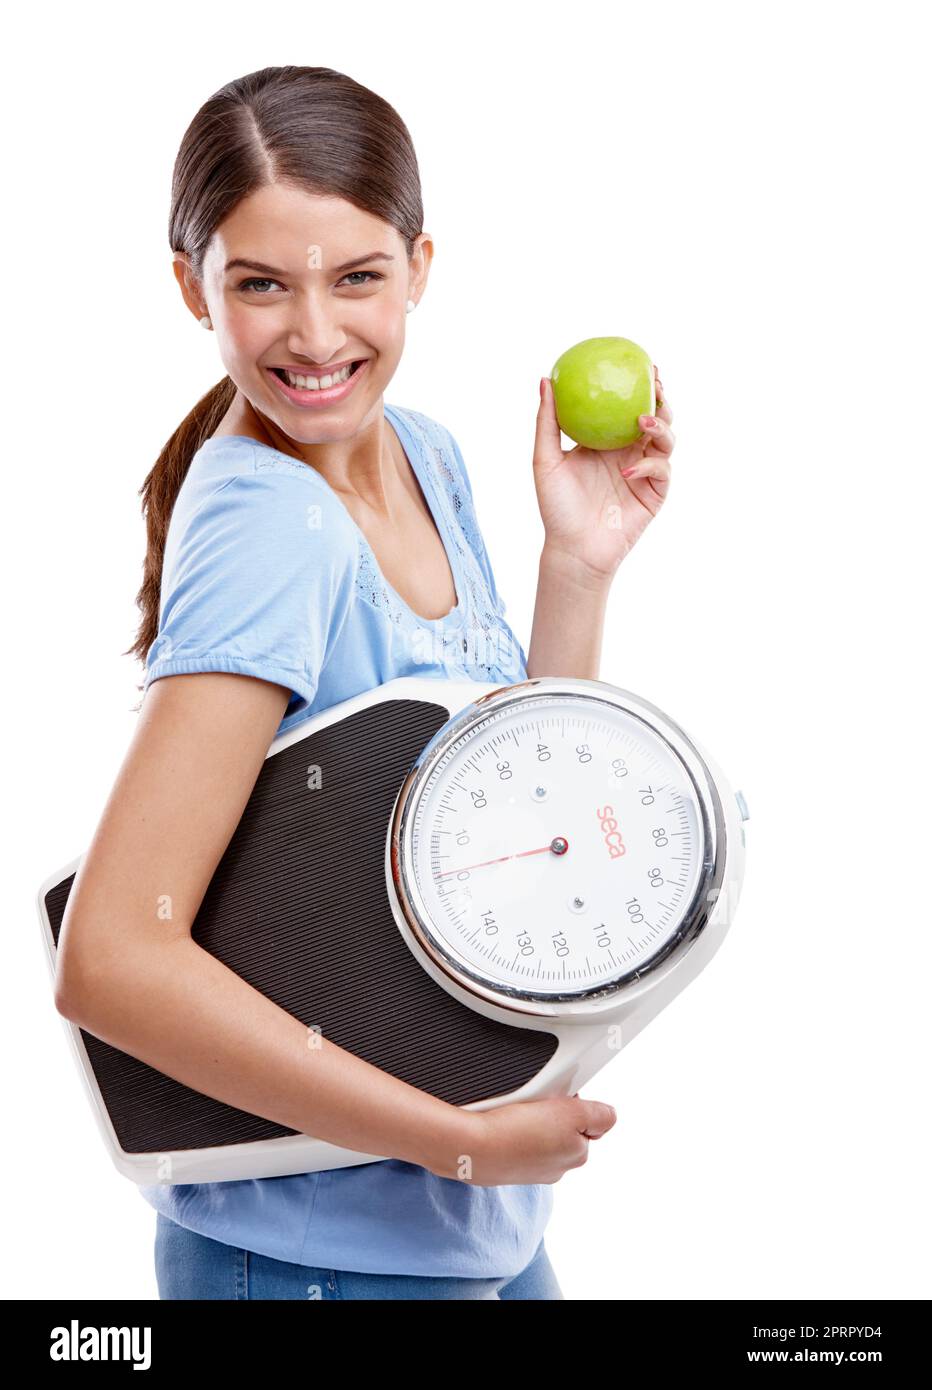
column 188, row 1265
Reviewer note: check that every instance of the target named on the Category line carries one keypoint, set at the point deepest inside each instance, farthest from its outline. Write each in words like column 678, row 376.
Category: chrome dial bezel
column 434, row 943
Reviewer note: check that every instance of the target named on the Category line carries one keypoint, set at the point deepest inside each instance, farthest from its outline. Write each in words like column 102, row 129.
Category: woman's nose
column 316, row 350
column 315, row 334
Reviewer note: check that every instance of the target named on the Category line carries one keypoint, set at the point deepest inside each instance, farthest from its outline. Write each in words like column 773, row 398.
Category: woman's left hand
column 591, row 511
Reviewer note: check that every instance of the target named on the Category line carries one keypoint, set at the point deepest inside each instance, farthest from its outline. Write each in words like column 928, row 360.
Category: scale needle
column 558, row 845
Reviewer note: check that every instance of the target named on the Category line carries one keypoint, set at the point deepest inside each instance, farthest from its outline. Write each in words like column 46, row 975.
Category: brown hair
column 310, row 127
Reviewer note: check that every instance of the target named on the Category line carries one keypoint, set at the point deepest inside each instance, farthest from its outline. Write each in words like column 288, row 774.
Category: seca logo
column 610, row 832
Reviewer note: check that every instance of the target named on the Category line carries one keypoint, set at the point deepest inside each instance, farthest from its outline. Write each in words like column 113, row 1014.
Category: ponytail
column 159, row 492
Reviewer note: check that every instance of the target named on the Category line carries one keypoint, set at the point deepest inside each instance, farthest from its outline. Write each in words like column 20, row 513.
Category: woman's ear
column 421, row 257
column 190, row 286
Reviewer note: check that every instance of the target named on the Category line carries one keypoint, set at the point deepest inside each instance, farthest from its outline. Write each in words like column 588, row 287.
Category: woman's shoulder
column 235, row 470
column 240, row 498
column 223, row 457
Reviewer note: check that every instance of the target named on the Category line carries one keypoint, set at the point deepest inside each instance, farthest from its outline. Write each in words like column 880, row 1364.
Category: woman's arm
column 594, row 506
column 569, row 617
column 133, row 976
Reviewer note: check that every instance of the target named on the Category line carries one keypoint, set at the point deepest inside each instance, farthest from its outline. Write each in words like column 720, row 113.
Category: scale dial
column 553, row 842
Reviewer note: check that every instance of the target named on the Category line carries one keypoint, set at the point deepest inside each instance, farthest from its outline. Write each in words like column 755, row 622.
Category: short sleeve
column 257, row 578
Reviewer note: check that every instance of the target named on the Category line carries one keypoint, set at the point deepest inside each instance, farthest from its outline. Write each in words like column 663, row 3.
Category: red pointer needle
column 559, row 845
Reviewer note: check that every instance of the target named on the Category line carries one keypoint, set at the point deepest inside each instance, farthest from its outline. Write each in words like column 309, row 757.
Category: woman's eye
column 252, row 283
column 248, row 283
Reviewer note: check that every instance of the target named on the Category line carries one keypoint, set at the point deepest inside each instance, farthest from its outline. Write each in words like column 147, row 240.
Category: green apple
column 600, row 387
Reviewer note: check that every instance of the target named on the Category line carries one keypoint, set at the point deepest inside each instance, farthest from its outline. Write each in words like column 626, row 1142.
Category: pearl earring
column 410, row 306
column 205, row 321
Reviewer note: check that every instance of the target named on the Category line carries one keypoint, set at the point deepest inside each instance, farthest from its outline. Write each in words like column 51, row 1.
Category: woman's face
column 296, row 306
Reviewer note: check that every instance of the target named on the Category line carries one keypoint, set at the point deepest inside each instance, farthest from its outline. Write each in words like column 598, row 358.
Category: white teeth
column 318, row 383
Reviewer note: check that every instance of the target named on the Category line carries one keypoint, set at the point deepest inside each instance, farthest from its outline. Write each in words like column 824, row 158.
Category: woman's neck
column 369, row 471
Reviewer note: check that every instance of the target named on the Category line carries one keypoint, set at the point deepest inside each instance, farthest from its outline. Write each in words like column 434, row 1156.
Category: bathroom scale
column 484, row 890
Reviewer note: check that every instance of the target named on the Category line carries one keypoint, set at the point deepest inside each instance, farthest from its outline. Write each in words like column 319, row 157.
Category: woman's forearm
column 569, row 616
column 178, row 1008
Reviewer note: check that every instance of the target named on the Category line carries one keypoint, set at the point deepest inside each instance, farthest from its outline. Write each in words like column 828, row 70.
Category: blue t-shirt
column 266, row 574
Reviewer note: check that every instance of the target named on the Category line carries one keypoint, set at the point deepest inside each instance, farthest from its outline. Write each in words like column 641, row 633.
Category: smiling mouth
column 302, row 381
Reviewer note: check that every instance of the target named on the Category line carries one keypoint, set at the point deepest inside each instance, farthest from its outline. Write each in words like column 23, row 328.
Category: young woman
column 307, row 542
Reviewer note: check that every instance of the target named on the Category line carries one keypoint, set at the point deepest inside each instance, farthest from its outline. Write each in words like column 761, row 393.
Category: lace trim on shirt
column 475, row 641
column 485, row 647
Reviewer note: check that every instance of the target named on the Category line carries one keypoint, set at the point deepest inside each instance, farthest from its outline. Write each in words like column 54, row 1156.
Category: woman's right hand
column 531, row 1141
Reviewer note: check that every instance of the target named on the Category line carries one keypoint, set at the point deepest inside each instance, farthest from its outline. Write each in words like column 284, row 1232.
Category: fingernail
column 542, row 380
column 626, row 472
column 649, row 422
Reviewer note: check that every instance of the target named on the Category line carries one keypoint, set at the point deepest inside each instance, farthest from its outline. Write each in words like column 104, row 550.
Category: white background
column 738, row 188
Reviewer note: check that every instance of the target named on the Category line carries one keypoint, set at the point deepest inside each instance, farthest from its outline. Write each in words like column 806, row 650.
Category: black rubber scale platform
column 299, row 908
